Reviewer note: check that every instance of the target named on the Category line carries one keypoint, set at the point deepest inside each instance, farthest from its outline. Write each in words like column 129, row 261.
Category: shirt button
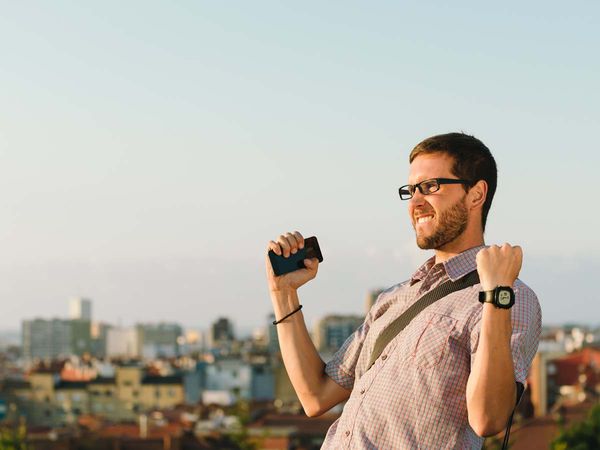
column 347, row 433
column 384, row 357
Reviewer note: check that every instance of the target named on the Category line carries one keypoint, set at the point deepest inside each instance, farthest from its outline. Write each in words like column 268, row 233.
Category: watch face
column 504, row 297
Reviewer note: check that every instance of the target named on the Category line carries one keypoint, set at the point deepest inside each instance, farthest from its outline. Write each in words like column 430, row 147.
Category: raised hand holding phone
column 292, row 261
column 295, row 261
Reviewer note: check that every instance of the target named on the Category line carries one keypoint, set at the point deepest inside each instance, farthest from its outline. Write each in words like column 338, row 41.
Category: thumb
column 311, row 263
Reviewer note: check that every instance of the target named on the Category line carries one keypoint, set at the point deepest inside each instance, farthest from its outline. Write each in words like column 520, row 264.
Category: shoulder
column 385, row 299
column 527, row 306
column 390, row 293
column 393, row 290
column 524, row 293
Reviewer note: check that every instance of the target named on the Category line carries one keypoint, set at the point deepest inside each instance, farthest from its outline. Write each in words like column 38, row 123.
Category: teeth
column 424, row 219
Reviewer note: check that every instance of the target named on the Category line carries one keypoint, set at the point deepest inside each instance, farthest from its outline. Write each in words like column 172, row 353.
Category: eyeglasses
column 427, row 186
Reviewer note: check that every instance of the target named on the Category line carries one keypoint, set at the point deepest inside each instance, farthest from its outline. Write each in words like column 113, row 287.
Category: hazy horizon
column 150, row 151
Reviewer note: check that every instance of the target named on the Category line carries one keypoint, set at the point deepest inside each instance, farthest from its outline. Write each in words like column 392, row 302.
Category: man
column 450, row 377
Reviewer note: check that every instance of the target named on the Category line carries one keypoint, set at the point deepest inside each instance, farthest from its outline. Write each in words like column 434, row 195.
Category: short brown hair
column 473, row 161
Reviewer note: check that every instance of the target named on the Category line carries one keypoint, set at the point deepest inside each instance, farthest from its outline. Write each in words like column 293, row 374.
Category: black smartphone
column 283, row 265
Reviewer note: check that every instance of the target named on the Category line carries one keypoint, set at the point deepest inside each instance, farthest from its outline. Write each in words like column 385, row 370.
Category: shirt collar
column 456, row 267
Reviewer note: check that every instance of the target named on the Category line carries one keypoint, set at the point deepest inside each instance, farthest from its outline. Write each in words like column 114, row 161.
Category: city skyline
column 149, row 152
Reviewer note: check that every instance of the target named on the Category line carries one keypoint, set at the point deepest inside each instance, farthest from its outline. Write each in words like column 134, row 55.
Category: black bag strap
column 394, row 328
column 444, row 289
column 520, row 389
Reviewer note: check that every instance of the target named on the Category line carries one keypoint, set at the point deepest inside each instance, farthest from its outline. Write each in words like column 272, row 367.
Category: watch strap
column 497, row 298
column 486, row 296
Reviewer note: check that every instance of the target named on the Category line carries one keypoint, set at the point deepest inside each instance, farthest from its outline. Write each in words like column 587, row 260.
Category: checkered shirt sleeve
column 342, row 366
column 526, row 318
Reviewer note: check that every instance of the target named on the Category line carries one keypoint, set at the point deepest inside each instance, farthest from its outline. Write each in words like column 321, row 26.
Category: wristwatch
column 501, row 297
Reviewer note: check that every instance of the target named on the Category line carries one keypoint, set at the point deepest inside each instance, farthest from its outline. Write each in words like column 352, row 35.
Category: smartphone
column 282, row 265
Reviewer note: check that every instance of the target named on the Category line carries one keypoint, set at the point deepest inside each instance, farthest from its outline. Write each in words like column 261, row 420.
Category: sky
column 150, row 150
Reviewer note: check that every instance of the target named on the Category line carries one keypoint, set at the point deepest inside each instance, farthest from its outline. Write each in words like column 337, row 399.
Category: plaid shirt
column 414, row 396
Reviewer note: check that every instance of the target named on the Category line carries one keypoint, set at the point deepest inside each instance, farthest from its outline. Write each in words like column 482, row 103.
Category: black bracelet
column 275, row 322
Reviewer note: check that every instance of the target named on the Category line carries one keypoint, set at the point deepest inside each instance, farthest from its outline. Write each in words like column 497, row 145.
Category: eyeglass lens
column 426, row 187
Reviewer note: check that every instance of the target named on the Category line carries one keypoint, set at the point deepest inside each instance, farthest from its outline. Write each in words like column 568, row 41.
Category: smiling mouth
column 424, row 219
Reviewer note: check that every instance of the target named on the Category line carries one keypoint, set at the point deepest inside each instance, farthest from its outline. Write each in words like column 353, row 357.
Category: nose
column 417, row 199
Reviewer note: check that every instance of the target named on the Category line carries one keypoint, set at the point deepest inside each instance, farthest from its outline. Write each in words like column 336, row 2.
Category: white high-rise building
column 122, row 343
column 80, row 308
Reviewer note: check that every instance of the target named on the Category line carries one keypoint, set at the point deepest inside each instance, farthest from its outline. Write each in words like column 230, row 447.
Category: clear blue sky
column 149, row 150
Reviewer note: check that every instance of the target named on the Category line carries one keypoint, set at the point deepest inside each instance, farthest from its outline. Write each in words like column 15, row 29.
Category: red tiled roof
column 305, row 425
column 541, row 431
column 133, row 430
column 571, row 366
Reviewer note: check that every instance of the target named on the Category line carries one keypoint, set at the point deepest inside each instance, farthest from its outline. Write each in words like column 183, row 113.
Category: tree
column 13, row 438
column 581, row 436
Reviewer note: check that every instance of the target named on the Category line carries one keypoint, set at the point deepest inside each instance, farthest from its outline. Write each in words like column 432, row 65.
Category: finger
column 291, row 238
column 285, row 246
column 504, row 250
column 490, row 250
column 518, row 252
column 311, row 264
column 483, row 253
column 299, row 239
column 275, row 247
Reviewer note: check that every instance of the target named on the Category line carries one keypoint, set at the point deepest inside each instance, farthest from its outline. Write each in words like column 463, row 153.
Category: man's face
column 440, row 217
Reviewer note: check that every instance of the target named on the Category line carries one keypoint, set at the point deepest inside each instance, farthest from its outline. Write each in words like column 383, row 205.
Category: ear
column 477, row 194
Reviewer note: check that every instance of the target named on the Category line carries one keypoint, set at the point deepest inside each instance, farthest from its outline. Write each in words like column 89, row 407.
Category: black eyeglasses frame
column 410, row 189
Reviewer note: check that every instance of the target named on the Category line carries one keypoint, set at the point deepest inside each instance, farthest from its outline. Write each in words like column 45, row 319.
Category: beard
column 452, row 223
